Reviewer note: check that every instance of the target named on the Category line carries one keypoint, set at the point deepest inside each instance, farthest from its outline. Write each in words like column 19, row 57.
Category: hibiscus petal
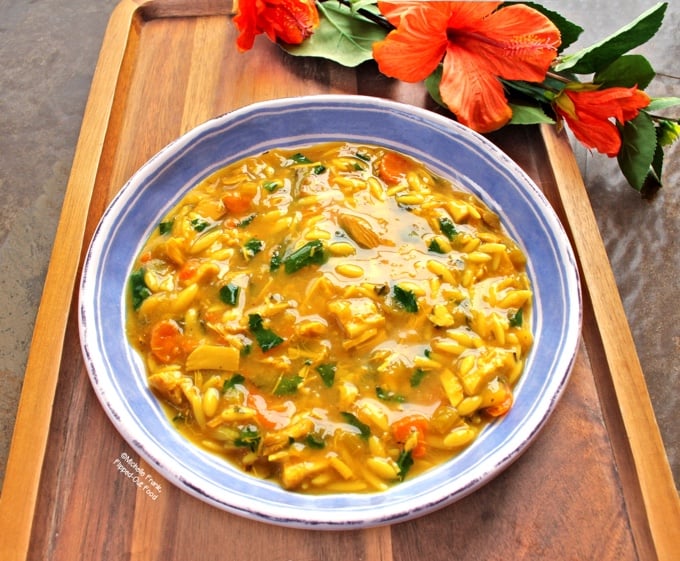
column 598, row 134
column 469, row 15
column 394, row 10
column 518, row 42
column 291, row 21
column 413, row 51
column 473, row 93
column 246, row 22
column 621, row 103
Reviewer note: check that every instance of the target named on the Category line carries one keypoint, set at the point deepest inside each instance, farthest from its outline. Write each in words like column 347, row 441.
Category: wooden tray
column 594, row 485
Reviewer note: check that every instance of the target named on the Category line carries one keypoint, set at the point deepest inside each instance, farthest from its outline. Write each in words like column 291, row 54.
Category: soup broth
column 334, row 317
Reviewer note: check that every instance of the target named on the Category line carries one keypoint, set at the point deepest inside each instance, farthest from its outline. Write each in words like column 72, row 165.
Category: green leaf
column 312, row 253
column 448, row 228
column 314, row 441
column 229, row 294
column 364, row 4
column 271, row 186
column 432, row 84
column 199, row 224
column 276, row 259
column 417, row 377
column 236, row 379
column 265, row 338
column 569, row 31
column 287, row 385
column 387, row 395
column 246, row 221
column 434, row 247
column 625, row 72
column 138, row 288
column 327, row 373
column 404, row 462
column 252, row 247
column 527, row 115
column 249, row 437
column 661, row 103
column 300, row 158
column 165, row 227
column 406, row 299
column 350, row 418
column 638, row 146
column 342, row 36
column 602, row 54
column 515, row 320
column 653, row 180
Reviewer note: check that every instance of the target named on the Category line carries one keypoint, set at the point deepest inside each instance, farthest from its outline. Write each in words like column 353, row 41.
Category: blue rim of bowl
column 117, row 373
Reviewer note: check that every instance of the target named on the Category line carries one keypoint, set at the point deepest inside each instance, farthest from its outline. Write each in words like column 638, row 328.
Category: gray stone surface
column 49, row 50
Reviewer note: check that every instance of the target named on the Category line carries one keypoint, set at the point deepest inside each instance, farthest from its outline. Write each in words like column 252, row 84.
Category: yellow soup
column 335, row 318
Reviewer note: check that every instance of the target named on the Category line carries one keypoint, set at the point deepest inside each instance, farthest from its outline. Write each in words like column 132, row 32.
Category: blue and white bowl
column 117, row 373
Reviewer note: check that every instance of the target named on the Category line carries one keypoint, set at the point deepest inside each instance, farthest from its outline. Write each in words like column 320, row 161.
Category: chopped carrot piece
column 167, row 340
column 265, row 417
column 188, row 270
column 236, row 202
column 502, row 408
column 393, row 167
column 405, row 427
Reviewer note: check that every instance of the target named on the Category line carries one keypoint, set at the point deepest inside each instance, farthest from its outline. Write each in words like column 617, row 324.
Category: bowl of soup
column 329, row 311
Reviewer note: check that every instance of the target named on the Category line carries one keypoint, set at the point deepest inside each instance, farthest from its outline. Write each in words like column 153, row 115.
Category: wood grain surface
column 595, row 483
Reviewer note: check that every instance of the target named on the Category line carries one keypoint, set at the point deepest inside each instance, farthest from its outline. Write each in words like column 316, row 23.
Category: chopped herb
column 319, row 169
column 404, row 462
column 199, row 224
column 246, row 221
column 299, row 158
column 138, row 288
column 235, row 380
column 327, row 373
column 253, row 246
column 448, row 228
column 364, row 157
column 249, row 437
column 312, row 253
column 229, row 294
column 270, row 186
column 165, row 227
column 265, row 338
column 406, row 299
column 364, row 429
column 435, row 247
column 246, row 350
column 388, row 395
column 276, row 260
column 287, row 384
column 417, row 377
column 179, row 418
column 314, row 441
column 516, row 318
column 358, row 167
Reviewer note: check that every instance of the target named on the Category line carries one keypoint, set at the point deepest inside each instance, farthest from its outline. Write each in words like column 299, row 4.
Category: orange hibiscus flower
column 478, row 43
column 290, row 21
column 590, row 114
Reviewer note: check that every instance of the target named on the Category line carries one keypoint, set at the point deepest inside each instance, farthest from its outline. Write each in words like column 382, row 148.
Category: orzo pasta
column 332, row 317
